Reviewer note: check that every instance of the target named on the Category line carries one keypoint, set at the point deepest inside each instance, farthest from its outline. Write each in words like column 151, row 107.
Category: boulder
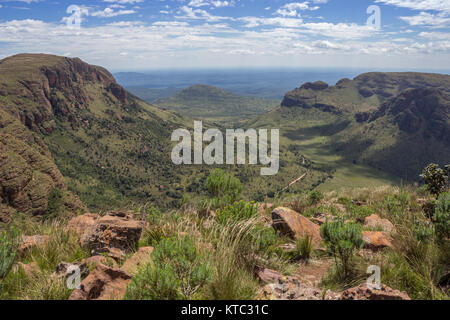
column 29, row 242
column 376, row 240
column 294, row 225
column 66, row 269
column 267, row 275
column 30, row 269
column 115, row 234
column 139, row 259
column 103, row 283
column 80, row 224
column 362, row 292
column 320, row 218
column 289, row 288
column 94, row 261
column 375, row 222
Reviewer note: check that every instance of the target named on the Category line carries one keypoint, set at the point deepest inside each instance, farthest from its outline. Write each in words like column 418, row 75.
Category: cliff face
column 49, row 86
column 367, row 92
column 33, row 90
column 425, row 111
column 61, row 117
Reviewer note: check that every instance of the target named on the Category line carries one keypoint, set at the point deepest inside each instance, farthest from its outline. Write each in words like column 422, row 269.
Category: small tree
column 342, row 240
column 437, row 179
column 176, row 272
column 221, row 184
column 237, row 211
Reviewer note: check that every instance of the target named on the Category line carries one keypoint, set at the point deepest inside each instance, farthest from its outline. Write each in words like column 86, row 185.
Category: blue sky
column 151, row 34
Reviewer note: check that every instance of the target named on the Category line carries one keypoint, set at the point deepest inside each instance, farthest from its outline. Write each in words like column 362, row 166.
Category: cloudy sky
column 149, row 34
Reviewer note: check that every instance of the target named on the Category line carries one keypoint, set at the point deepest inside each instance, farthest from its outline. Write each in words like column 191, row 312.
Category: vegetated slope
column 207, row 102
column 405, row 134
column 112, row 148
column 376, row 128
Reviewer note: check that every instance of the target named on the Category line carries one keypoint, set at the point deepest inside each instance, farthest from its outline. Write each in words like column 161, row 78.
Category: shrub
column 423, row 232
column 263, row 238
column 442, row 215
column 154, row 215
column 237, row 211
column 314, row 197
column 9, row 244
column 342, row 239
column 177, row 271
column 223, row 186
column 436, row 178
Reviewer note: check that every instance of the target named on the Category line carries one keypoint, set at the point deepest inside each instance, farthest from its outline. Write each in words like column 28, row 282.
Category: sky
column 158, row 34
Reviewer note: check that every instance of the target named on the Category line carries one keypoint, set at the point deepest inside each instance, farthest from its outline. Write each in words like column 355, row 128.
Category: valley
column 73, row 141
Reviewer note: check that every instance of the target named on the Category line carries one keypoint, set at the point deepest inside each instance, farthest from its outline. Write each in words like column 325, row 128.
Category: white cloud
column 293, row 9
column 109, row 12
column 437, row 5
column 429, row 19
column 214, row 3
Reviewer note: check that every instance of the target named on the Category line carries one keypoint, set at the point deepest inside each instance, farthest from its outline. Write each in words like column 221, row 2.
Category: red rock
column 376, row 240
column 103, row 283
column 115, row 234
column 362, row 292
column 375, row 222
column 289, row 288
column 94, row 261
column 267, row 275
column 80, row 224
column 294, row 225
column 29, row 242
column 30, row 269
column 139, row 259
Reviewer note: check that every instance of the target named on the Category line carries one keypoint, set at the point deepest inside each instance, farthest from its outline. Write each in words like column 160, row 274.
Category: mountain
column 364, row 93
column 207, row 102
column 62, row 117
column 405, row 134
column 378, row 127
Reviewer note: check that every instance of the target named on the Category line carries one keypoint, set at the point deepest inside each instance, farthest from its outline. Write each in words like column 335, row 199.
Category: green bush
column 263, row 238
column 154, row 215
column 436, row 178
column 9, row 244
column 342, row 239
column 177, row 271
column 315, row 197
column 223, row 186
column 442, row 215
column 423, row 232
column 237, row 211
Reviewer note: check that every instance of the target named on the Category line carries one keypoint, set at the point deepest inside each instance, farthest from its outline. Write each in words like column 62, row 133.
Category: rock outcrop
column 115, row 234
column 103, row 283
column 294, row 225
column 375, row 222
column 363, row 292
column 376, row 240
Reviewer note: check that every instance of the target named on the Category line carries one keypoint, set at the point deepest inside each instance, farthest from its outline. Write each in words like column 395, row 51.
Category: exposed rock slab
column 294, row 225
column 103, row 283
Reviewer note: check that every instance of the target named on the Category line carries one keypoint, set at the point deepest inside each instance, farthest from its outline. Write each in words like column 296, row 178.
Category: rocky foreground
column 112, row 240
